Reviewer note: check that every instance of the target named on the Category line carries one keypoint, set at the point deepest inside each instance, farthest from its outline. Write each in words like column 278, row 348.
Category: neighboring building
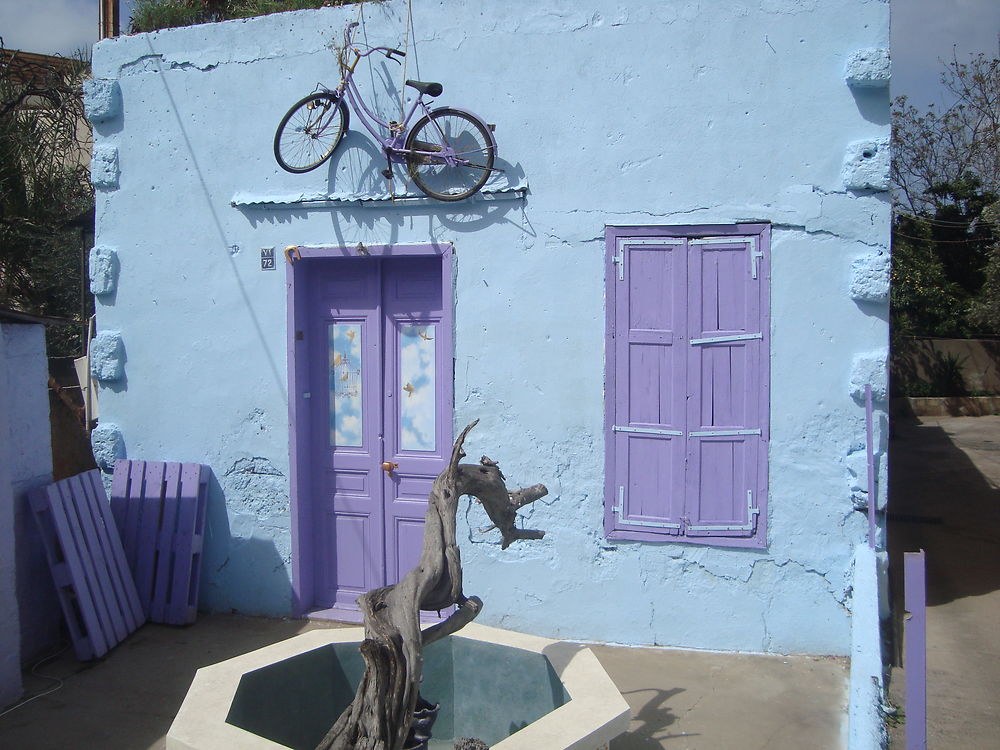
column 666, row 309
column 41, row 82
column 29, row 612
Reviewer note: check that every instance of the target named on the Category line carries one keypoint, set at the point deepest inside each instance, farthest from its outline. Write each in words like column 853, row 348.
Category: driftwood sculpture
column 381, row 714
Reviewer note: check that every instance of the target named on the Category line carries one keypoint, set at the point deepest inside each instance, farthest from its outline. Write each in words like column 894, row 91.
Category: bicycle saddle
column 427, row 87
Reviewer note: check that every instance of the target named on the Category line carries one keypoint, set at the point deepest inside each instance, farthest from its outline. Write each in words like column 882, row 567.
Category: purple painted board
column 651, row 308
column 723, row 402
column 687, row 383
column 161, row 509
column 121, row 573
column 870, row 454
column 915, row 643
column 182, row 605
column 91, row 583
column 92, row 580
column 146, row 499
column 82, row 504
column 379, row 390
column 162, row 578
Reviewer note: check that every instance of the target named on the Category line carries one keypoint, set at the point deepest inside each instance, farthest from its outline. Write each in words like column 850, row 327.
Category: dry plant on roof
column 381, row 714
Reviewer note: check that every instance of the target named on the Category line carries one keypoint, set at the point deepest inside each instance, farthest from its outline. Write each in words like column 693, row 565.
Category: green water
column 485, row 690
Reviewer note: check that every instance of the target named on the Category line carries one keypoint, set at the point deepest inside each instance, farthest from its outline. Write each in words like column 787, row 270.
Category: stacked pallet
column 116, row 564
column 159, row 509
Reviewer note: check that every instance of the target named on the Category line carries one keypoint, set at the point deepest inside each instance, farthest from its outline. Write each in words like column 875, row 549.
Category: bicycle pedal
column 387, row 173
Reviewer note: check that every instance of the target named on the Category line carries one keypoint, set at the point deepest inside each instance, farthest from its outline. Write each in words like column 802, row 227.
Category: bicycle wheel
column 452, row 132
column 310, row 131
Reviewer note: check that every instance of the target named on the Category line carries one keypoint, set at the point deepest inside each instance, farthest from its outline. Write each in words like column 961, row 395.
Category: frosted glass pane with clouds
column 345, row 384
column 417, row 423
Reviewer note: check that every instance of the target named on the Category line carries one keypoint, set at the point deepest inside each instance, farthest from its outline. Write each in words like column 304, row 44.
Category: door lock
column 388, row 466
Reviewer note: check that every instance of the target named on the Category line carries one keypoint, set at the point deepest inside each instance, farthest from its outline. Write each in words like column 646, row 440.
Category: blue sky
column 923, row 33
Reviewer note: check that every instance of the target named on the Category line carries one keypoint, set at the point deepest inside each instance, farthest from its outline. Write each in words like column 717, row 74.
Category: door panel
column 417, row 383
column 381, row 376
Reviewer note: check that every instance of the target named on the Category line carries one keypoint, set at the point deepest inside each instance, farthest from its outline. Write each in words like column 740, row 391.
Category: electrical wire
column 943, row 222
column 945, row 242
column 34, row 668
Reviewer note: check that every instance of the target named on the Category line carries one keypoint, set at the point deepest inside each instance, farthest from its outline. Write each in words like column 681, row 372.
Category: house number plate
column 267, row 259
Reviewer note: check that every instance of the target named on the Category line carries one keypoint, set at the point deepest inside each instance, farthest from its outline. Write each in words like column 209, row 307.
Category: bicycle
column 448, row 153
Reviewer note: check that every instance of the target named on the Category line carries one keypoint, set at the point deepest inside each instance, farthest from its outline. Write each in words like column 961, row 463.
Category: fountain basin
column 513, row 691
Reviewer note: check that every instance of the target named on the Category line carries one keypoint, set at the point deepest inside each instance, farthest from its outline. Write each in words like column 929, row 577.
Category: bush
column 152, row 15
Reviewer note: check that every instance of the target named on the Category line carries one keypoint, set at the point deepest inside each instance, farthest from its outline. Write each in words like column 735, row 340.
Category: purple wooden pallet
column 159, row 509
column 85, row 554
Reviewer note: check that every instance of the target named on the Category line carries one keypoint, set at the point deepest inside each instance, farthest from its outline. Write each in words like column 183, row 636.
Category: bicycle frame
column 393, row 146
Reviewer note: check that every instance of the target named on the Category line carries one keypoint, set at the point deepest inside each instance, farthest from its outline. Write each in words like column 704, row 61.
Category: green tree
column 946, row 174
column 46, row 199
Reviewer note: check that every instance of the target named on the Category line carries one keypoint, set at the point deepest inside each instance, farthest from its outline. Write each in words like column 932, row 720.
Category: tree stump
column 381, row 713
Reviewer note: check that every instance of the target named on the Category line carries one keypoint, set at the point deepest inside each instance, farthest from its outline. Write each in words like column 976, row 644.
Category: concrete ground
column 944, row 498
column 680, row 700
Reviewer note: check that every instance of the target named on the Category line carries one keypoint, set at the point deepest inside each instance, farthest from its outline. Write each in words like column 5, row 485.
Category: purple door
column 380, row 393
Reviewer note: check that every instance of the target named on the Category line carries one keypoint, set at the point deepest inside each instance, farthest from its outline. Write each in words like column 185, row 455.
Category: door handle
column 388, row 466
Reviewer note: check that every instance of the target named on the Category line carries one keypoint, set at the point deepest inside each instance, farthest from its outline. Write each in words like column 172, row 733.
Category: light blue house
column 665, row 308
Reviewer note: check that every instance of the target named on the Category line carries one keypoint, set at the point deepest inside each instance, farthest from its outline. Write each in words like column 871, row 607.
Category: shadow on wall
column 945, row 367
column 940, row 502
column 242, row 569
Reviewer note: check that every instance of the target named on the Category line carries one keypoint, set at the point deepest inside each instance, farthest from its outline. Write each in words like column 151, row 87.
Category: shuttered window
column 687, row 383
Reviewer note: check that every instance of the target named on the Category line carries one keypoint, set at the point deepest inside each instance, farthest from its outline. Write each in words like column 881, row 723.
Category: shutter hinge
column 750, row 525
column 727, row 339
column 755, row 257
column 619, row 260
column 620, row 512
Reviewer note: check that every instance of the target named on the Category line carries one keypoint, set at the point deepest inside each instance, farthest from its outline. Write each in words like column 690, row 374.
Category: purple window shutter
column 725, row 416
column 647, row 430
column 687, row 383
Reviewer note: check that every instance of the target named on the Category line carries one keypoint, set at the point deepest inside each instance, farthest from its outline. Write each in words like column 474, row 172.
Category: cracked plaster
column 870, row 368
column 103, row 267
column 102, row 99
column 870, row 277
column 108, row 445
column 104, row 170
column 107, row 356
column 866, row 165
column 868, row 68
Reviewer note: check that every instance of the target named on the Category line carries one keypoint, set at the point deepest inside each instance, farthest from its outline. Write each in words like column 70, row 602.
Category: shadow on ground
column 939, row 501
column 127, row 700
column 944, row 498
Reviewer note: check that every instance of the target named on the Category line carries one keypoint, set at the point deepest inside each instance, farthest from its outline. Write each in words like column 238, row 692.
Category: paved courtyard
column 681, row 700
column 945, row 499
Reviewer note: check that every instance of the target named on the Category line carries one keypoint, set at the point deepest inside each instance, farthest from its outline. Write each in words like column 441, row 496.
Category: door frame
column 300, row 259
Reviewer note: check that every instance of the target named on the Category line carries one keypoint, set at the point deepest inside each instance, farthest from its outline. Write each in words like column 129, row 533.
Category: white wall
column 25, row 462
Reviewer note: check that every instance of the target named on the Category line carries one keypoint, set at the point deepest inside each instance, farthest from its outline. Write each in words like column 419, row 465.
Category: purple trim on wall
column 762, row 231
column 870, row 449
column 302, row 553
column 915, row 644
